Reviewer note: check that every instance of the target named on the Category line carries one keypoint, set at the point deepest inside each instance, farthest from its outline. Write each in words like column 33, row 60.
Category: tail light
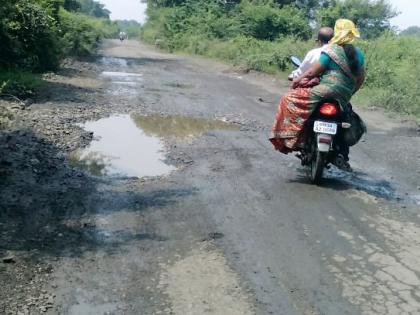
column 328, row 109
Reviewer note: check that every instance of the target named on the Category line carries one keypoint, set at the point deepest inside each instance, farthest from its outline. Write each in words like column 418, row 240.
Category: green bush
column 268, row 21
column 82, row 34
column 176, row 25
column 28, row 37
column 393, row 67
column 19, row 82
column 36, row 35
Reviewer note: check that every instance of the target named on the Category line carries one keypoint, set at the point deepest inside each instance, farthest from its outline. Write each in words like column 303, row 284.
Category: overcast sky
column 126, row 9
column 410, row 13
column 134, row 10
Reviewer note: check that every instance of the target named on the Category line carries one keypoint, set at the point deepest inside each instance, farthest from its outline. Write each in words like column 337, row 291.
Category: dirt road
column 144, row 183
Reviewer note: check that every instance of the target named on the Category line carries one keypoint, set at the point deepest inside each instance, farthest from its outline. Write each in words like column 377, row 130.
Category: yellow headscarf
column 344, row 32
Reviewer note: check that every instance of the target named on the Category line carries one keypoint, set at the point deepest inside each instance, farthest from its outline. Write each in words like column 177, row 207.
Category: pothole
column 131, row 145
column 121, row 148
column 124, row 83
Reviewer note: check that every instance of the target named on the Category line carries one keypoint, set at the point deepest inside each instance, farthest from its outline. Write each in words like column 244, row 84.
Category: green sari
column 337, row 82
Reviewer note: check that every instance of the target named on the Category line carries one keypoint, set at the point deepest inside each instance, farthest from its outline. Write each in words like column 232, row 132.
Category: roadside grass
column 242, row 51
column 19, row 83
column 393, row 74
column 14, row 85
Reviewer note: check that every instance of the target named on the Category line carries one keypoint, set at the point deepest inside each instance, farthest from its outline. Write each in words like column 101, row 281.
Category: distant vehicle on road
column 122, row 36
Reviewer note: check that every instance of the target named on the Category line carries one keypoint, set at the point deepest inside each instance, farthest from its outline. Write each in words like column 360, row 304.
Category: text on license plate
column 325, row 127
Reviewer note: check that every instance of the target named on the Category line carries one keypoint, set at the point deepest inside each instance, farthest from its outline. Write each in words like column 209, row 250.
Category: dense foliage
column 265, row 20
column 26, row 29
column 393, row 67
column 261, row 19
column 80, row 35
column 36, row 34
column 262, row 34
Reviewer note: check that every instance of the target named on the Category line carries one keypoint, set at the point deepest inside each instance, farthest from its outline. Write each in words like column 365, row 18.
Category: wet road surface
column 204, row 217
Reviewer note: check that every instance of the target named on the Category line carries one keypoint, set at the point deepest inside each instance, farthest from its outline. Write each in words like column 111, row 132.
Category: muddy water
column 122, row 75
column 178, row 126
column 123, row 83
column 121, row 148
column 131, row 145
column 112, row 61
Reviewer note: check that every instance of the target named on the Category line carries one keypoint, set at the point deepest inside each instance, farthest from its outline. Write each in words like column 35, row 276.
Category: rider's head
column 325, row 34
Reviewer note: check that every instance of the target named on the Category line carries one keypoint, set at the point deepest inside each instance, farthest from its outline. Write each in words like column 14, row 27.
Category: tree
column 412, row 30
column 268, row 21
column 28, row 35
column 371, row 17
column 71, row 5
column 94, row 8
column 153, row 4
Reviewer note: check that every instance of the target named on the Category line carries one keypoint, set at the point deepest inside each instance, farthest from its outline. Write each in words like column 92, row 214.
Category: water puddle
column 376, row 187
column 125, row 78
column 120, row 74
column 121, row 148
column 131, row 145
column 112, row 61
column 125, row 83
column 178, row 126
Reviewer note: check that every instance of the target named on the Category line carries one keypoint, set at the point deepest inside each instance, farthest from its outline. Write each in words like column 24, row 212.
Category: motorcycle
column 325, row 135
column 122, row 36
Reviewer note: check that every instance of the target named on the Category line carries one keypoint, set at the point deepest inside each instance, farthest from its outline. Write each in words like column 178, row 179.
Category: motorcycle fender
column 324, row 142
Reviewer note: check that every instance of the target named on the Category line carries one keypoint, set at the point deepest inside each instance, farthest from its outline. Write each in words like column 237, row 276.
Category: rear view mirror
column 296, row 61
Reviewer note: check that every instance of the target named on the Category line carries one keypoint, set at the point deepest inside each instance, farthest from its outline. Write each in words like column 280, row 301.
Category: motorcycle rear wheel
column 317, row 167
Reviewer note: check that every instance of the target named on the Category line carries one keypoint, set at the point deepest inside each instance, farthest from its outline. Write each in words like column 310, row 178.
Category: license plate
column 325, row 127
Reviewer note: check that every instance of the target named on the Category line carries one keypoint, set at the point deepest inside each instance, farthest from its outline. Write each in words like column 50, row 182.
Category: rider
column 325, row 34
column 122, row 35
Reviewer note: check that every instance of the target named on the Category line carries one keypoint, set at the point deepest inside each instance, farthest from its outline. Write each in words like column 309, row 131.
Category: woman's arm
column 315, row 71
